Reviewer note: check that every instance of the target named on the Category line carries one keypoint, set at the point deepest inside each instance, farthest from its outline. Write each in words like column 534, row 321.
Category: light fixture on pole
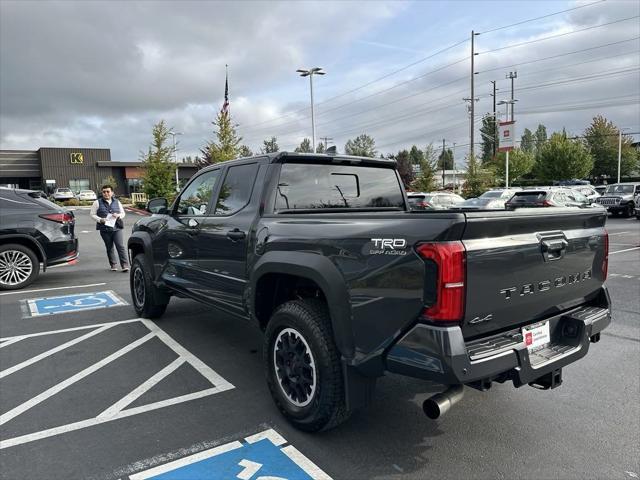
column 620, row 149
column 507, row 141
column 310, row 73
column 175, row 157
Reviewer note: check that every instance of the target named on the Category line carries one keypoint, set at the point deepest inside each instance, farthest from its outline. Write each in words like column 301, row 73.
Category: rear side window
column 528, row 197
column 318, row 186
column 236, row 189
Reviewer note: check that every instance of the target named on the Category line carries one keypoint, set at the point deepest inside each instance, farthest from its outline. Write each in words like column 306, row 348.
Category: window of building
column 77, row 184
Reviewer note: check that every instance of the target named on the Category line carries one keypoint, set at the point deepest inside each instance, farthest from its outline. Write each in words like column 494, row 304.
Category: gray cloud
column 102, row 73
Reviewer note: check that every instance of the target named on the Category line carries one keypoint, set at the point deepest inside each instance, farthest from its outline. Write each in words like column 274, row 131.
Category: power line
column 559, row 35
column 539, row 18
column 502, row 67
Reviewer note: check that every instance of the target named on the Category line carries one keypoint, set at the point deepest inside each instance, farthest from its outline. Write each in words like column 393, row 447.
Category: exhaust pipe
column 440, row 403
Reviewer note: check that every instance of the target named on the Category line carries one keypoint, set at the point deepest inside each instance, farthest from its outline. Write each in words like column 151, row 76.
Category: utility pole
column 326, row 142
column 495, row 121
column 443, row 162
column 512, row 76
column 473, row 54
column 454, row 168
column 175, row 157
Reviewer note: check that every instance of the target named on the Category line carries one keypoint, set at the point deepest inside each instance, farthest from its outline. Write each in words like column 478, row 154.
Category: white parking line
column 51, row 289
column 626, row 250
column 118, row 409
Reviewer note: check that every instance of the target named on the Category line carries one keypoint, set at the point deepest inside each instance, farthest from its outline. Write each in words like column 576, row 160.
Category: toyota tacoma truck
column 323, row 253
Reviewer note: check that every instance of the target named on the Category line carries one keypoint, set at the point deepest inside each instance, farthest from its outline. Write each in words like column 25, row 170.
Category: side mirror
column 158, row 205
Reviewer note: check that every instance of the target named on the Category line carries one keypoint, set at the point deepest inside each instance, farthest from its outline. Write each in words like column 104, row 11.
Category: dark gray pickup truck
column 324, row 255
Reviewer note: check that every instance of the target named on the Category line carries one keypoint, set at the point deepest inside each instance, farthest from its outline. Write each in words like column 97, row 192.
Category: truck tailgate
column 527, row 265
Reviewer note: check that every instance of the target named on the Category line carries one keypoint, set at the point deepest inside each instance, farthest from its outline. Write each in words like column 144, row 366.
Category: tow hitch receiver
column 552, row 379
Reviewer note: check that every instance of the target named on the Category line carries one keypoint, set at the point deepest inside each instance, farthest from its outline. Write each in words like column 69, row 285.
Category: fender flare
column 325, row 274
column 31, row 240
column 143, row 239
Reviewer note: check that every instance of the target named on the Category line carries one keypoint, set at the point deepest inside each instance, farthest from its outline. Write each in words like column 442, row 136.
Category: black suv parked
column 33, row 231
column 324, row 255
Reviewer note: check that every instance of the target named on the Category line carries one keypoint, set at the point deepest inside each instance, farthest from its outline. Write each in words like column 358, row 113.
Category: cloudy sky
column 100, row 74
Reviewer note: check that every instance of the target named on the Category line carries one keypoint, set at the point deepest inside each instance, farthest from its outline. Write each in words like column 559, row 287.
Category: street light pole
column 310, row 73
column 620, row 150
column 175, row 157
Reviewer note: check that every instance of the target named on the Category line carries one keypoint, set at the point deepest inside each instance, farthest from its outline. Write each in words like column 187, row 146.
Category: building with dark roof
column 77, row 168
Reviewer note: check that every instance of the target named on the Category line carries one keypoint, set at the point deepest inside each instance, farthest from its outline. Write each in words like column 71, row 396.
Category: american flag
column 225, row 105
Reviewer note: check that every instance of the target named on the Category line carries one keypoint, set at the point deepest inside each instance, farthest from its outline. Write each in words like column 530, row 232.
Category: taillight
column 424, row 204
column 58, row 217
column 547, row 203
column 450, row 260
column 605, row 262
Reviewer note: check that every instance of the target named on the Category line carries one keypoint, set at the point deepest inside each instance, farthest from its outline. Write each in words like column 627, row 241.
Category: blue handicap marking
column 73, row 303
column 261, row 457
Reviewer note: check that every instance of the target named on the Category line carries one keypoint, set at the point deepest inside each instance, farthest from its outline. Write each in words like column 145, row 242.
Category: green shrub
column 74, row 202
column 141, row 205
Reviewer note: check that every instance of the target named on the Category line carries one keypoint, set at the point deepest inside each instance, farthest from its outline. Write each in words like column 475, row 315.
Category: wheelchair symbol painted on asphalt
column 263, row 456
column 73, row 303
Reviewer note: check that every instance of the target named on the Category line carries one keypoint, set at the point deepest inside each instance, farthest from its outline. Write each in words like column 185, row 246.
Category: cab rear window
column 322, row 186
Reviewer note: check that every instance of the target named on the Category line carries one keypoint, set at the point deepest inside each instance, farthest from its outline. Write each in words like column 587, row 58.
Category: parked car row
column 618, row 199
column 63, row 194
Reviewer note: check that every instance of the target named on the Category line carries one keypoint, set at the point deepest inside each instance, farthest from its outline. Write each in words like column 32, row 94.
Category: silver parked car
column 434, row 200
column 62, row 194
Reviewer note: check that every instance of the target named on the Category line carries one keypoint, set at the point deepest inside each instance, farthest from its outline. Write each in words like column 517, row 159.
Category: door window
column 236, row 189
column 194, row 201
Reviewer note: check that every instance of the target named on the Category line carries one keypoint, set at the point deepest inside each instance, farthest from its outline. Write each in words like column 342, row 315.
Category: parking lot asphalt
column 101, row 394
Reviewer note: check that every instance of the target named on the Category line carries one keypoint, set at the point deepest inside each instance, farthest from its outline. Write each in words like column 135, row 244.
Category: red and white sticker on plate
column 535, row 336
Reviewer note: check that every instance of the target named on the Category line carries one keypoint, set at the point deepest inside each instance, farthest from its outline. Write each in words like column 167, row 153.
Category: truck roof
column 282, row 157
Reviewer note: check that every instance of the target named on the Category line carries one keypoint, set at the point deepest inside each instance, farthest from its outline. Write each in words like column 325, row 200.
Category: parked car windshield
column 526, row 197
column 494, row 194
column 321, row 186
column 64, row 190
column 619, row 189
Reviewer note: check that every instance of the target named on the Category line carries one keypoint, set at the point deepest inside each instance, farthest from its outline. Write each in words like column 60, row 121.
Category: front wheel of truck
column 303, row 367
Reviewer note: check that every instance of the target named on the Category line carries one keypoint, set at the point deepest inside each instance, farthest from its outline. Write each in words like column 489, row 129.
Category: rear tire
column 148, row 300
column 303, row 367
column 19, row 266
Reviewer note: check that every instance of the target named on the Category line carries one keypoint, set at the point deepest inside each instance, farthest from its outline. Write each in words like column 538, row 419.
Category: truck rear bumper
column 440, row 354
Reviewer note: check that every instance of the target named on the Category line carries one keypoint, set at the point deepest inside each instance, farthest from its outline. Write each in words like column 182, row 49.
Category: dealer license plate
column 536, row 336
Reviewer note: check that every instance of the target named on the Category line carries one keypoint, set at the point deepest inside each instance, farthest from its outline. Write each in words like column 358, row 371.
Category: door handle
column 236, row 234
column 555, row 249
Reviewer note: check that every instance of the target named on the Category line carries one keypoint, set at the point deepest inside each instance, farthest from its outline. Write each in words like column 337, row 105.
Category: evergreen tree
column 304, row 147
column 489, row 135
column 244, row 151
column 361, row 146
column 601, row 138
column 159, row 171
column 226, row 147
column 540, row 137
column 270, row 145
column 446, row 157
column 320, row 148
column 425, row 182
column 405, row 168
column 527, row 142
column 416, row 156
column 562, row 159
column 478, row 179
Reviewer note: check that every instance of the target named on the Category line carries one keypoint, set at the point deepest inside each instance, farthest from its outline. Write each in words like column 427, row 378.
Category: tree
column 320, row 148
column 425, row 182
column 244, row 151
column 489, row 135
column 478, row 179
column 521, row 163
column 110, row 180
column 361, row 146
column 226, row 147
column 405, row 168
column 540, row 137
column 446, row 157
column 527, row 142
column 270, row 145
column 563, row 159
column 601, row 139
column 304, row 147
column 416, row 156
column 159, row 171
